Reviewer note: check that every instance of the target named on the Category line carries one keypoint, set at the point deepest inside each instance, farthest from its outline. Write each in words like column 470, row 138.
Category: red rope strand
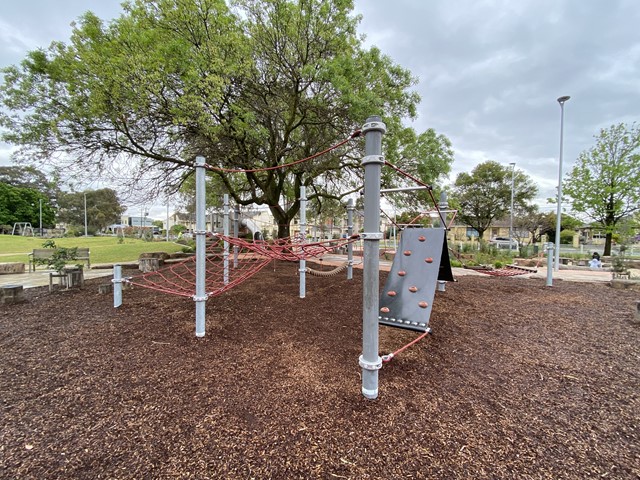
column 389, row 357
column 275, row 167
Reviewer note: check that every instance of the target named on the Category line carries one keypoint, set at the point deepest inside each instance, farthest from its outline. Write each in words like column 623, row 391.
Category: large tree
column 604, row 184
column 485, row 194
column 20, row 204
column 259, row 84
column 30, row 177
column 103, row 208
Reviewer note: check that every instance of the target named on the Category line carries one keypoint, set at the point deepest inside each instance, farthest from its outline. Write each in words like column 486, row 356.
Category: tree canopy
column 30, row 177
column 20, row 204
column 485, row 194
column 257, row 84
column 103, row 208
column 604, row 184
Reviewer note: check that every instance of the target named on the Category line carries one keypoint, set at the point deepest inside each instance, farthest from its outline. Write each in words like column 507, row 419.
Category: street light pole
column 513, row 167
column 561, row 101
column 86, row 233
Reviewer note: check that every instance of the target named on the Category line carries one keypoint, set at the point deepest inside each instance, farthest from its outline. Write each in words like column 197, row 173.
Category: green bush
column 566, row 236
column 189, row 245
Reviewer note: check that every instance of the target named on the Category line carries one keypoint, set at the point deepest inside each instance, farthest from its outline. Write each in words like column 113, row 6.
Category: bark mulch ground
column 518, row 381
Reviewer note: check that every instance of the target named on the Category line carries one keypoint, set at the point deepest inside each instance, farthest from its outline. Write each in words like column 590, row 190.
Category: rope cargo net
column 227, row 268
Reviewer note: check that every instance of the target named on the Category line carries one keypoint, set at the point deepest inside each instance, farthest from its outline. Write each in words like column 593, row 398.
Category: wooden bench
column 40, row 256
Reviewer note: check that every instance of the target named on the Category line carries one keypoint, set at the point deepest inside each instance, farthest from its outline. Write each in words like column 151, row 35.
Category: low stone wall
column 11, row 267
column 11, row 294
column 626, row 284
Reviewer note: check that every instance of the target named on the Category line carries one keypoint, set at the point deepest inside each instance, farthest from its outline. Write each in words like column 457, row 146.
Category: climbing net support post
column 200, row 296
column 117, row 285
column 303, row 236
column 370, row 360
column 225, row 231
column 236, row 233
column 350, row 209
column 443, row 205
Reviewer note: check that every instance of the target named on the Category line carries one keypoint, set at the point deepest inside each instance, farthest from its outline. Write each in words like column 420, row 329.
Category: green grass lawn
column 14, row 248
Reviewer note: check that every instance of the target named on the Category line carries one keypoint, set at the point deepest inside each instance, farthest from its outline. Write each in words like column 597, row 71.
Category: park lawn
column 15, row 248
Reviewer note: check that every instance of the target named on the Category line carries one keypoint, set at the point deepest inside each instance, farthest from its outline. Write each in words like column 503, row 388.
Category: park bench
column 40, row 256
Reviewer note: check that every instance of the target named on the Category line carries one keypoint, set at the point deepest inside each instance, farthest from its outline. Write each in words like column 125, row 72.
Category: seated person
column 595, row 262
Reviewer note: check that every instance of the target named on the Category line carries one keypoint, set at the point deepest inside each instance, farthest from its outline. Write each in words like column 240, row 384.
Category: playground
column 517, row 380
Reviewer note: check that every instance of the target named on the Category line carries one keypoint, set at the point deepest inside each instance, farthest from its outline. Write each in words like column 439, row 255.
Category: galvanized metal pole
column 561, row 101
column 549, row 247
column 350, row 209
column 303, row 237
column 117, row 285
column 236, row 232
column 443, row 206
column 225, row 232
column 513, row 167
column 200, row 296
column 167, row 232
column 370, row 361
column 86, row 231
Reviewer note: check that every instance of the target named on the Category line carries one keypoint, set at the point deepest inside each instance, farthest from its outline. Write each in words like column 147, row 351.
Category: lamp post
column 86, row 233
column 561, row 101
column 513, row 167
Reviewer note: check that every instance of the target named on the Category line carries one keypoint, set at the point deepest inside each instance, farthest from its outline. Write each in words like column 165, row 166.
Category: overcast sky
column 489, row 71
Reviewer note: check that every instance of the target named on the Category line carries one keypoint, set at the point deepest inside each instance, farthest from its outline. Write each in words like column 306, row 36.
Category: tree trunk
column 607, row 244
column 282, row 220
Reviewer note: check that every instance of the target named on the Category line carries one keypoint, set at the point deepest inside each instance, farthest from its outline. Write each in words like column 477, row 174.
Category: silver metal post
column 117, row 285
column 561, row 101
column 549, row 247
column 236, row 232
column 350, row 209
column 86, row 232
column 513, row 167
column 225, row 232
column 443, row 206
column 41, row 218
column 167, row 232
column 200, row 296
column 303, row 235
column 370, row 361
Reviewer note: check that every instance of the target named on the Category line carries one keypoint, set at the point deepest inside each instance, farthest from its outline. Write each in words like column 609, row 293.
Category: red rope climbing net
column 508, row 271
column 223, row 272
column 291, row 249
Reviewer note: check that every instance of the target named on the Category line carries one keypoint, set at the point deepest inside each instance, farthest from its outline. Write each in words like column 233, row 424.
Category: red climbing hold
column 423, row 304
column 384, row 309
column 391, row 293
column 422, row 238
column 428, row 260
column 402, row 273
column 407, row 252
column 413, row 289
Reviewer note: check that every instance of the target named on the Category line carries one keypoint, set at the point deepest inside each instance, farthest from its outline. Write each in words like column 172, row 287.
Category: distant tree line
column 26, row 192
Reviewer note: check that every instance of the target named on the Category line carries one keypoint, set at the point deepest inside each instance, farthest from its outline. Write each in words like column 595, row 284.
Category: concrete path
column 40, row 278
column 564, row 273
